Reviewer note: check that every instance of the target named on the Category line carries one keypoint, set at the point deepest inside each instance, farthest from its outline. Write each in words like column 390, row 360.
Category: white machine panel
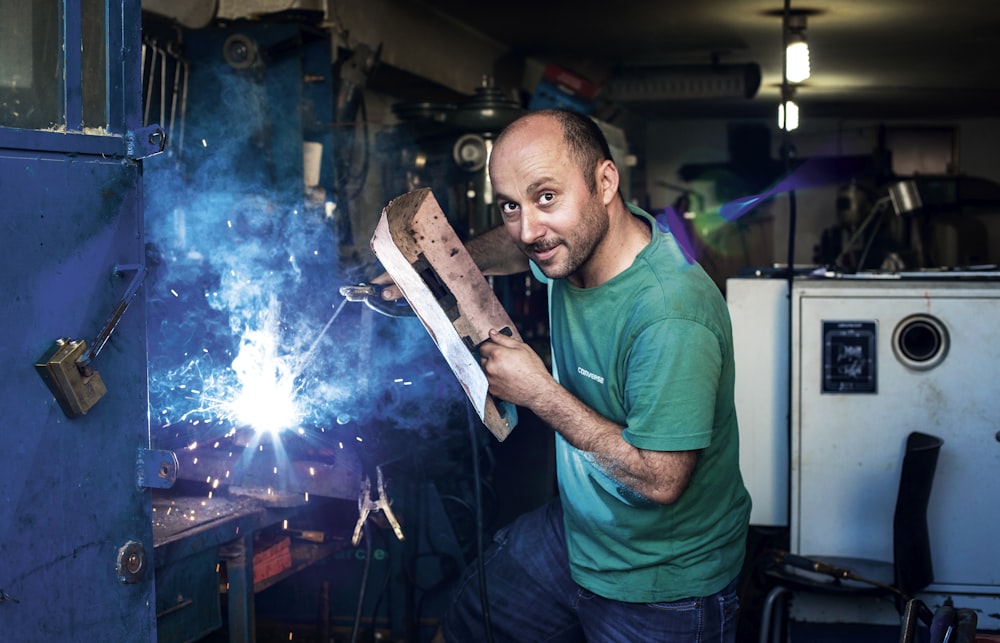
column 859, row 389
column 759, row 312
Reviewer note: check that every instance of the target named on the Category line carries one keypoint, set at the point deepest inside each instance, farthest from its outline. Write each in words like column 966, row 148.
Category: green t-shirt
column 652, row 350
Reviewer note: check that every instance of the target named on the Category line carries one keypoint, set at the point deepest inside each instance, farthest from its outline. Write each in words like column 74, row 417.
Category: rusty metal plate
column 422, row 253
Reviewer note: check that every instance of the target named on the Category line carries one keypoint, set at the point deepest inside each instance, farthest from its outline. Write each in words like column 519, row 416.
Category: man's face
column 546, row 203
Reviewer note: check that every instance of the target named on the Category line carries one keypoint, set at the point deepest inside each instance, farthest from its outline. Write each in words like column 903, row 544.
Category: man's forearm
column 517, row 374
column 659, row 476
column 495, row 252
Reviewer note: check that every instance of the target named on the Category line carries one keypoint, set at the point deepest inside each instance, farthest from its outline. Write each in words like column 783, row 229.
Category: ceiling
column 927, row 59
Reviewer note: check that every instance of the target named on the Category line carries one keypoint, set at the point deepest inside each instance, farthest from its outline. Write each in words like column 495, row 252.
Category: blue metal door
column 75, row 525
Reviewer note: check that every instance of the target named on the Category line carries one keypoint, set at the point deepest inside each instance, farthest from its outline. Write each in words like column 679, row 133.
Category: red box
column 570, row 82
column 272, row 560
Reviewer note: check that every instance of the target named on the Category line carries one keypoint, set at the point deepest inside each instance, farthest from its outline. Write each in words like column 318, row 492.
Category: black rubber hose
column 356, row 627
column 480, row 566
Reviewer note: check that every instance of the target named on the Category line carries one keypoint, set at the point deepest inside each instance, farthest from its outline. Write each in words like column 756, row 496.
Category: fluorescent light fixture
column 797, row 58
column 796, row 48
column 792, row 110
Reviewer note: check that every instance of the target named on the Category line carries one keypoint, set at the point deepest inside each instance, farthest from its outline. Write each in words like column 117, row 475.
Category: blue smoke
column 247, row 329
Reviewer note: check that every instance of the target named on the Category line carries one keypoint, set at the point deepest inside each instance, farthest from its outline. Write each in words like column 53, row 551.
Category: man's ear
column 607, row 180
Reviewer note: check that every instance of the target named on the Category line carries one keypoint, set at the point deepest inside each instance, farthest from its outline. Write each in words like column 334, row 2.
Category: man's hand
column 515, row 371
column 391, row 291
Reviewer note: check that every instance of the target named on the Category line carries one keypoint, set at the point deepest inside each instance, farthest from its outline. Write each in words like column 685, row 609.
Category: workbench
column 205, row 546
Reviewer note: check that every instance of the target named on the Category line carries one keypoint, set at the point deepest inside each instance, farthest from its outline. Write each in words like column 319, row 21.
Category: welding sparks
column 262, row 389
column 239, row 274
column 241, row 347
column 266, row 398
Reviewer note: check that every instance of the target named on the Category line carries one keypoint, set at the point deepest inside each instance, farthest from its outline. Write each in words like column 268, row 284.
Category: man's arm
column 517, row 375
column 495, row 252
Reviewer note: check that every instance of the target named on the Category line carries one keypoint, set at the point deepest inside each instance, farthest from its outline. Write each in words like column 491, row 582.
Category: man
column 646, row 537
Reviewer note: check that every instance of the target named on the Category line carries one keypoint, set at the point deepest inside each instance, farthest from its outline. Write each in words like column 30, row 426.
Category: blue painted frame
column 71, row 206
column 123, row 19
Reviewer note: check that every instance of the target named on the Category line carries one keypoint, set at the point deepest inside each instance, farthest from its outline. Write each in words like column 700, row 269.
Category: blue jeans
column 533, row 598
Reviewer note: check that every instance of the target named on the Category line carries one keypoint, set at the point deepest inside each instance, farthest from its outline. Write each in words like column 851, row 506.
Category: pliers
column 367, row 505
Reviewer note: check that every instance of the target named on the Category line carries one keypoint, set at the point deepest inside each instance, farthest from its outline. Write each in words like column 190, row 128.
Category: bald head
column 582, row 136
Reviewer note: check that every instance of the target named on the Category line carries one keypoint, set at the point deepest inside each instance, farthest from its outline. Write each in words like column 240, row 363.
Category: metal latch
column 145, row 142
column 155, row 469
column 76, row 389
column 66, row 366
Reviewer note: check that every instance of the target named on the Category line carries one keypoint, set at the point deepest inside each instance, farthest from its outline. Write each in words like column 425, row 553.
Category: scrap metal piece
column 421, row 252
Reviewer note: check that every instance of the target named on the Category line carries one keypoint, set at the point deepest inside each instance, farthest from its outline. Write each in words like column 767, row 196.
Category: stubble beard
column 580, row 244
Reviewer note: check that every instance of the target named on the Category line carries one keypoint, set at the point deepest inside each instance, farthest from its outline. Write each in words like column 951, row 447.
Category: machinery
column 870, row 359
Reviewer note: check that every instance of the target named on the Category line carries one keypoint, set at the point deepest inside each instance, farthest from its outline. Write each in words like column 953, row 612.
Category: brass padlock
column 77, row 388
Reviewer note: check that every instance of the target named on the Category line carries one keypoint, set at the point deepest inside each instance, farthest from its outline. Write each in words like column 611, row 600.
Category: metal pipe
column 184, row 100
column 149, row 87
column 163, row 84
column 173, row 96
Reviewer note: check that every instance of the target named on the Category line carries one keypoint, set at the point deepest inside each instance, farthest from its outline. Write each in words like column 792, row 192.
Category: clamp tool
column 367, row 505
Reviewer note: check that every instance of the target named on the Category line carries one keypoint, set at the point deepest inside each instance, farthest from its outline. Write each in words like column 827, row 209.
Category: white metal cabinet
column 848, row 429
column 846, row 445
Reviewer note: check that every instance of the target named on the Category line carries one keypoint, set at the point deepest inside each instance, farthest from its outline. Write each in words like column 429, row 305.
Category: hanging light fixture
column 795, row 63
column 788, row 110
column 792, row 109
column 796, row 49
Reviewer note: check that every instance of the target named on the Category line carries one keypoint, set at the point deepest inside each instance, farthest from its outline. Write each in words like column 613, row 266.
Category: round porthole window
column 920, row 342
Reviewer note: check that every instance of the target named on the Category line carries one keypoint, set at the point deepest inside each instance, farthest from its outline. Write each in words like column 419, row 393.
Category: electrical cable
column 480, row 566
column 356, row 627
column 384, row 590
column 362, row 175
column 786, row 155
column 789, row 341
